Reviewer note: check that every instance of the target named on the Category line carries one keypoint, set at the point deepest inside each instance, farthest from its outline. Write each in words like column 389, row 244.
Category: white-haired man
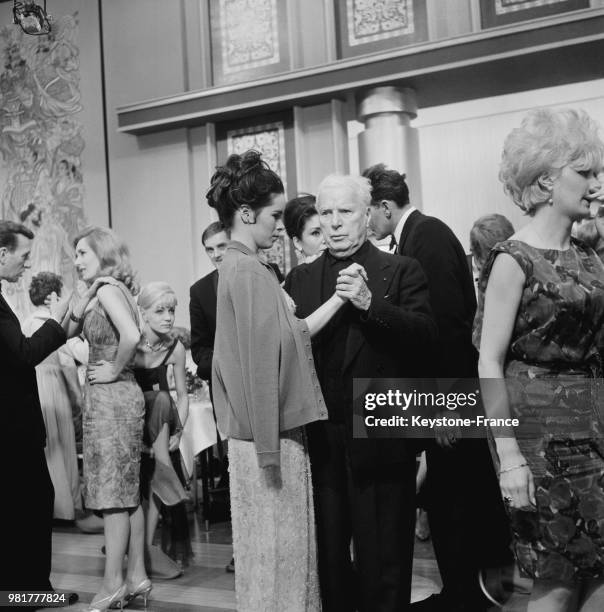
column 364, row 489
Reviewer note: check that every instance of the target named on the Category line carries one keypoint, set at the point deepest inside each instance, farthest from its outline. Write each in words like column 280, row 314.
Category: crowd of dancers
column 321, row 519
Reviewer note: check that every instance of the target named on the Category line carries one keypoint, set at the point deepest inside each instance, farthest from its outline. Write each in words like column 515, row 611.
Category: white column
column 388, row 137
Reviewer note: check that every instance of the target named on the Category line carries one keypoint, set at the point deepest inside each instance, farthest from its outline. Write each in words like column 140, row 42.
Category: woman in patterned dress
column 113, row 410
column 262, row 382
column 539, row 326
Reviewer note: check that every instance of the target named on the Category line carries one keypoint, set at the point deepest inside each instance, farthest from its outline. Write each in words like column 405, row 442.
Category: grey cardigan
column 263, row 375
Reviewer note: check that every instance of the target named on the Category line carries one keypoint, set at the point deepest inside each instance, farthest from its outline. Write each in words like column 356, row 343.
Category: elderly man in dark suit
column 363, row 488
column 467, row 519
column 28, row 494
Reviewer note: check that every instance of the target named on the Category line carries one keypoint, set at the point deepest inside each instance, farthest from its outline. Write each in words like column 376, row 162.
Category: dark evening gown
column 175, row 536
column 554, row 381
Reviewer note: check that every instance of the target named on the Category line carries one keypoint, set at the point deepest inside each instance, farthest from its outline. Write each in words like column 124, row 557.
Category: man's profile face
column 378, row 222
column 14, row 263
column 215, row 247
column 343, row 219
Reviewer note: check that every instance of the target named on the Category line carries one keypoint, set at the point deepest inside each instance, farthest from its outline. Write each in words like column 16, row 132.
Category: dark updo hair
column 244, row 179
column 42, row 285
column 297, row 212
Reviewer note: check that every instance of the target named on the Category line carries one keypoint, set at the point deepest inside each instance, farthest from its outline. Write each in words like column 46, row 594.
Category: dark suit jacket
column 399, row 316
column 202, row 313
column 21, row 419
column 452, row 296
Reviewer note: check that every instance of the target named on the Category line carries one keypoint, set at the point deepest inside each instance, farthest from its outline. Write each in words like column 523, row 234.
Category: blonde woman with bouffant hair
column 113, row 414
column 539, row 331
column 162, row 478
column 113, row 255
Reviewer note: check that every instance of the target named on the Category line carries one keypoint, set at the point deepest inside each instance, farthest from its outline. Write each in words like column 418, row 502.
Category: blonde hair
column 112, row 252
column 155, row 291
column 547, row 141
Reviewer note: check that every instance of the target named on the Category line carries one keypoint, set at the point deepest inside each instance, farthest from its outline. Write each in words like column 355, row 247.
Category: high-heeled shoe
column 142, row 590
column 117, row 600
column 166, row 485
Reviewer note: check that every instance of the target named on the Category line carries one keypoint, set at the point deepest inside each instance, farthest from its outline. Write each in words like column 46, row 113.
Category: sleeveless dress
column 112, row 421
column 175, row 536
column 60, row 450
column 553, row 379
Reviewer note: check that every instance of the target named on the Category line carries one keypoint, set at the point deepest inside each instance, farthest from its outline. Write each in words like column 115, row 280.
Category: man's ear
column 3, row 254
column 386, row 208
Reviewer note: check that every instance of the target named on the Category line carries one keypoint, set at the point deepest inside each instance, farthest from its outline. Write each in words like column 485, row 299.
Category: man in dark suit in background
column 202, row 304
column 467, row 519
column 28, row 494
column 363, row 488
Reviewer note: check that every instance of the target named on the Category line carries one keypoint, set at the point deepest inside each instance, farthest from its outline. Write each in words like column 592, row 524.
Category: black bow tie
column 393, row 244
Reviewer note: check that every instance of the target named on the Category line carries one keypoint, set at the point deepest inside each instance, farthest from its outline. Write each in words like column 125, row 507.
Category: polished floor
column 205, row 587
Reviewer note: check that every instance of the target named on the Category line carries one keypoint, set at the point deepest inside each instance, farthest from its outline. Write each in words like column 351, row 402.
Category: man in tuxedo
column 467, row 519
column 26, row 515
column 202, row 304
column 363, row 488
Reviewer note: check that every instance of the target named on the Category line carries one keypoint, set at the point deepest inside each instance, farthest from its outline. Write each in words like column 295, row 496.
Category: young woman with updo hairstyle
column 540, row 333
column 162, row 477
column 114, row 407
column 301, row 221
column 265, row 390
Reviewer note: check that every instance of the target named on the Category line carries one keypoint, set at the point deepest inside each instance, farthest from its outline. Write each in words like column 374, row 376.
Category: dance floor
column 205, row 586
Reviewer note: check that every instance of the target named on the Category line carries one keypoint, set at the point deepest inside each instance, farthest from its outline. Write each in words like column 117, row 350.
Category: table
column 198, row 433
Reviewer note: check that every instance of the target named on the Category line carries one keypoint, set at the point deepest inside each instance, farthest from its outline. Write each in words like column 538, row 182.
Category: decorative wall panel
column 248, row 39
column 268, row 137
column 41, row 144
column 501, row 12
column 366, row 26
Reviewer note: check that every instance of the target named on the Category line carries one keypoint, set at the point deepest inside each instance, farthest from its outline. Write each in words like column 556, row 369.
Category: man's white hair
column 358, row 186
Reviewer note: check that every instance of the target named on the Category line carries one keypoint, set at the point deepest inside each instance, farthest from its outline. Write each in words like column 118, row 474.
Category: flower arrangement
column 194, row 383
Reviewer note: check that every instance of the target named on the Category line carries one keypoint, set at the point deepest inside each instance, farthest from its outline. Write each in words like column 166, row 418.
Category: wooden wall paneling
column 202, row 164
column 300, row 147
column 330, row 27
column 475, row 15
column 198, row 59
column 250, row 44
column 363, row 28
column 503, row 12
column 339, row 136
column 451, row 18
column 310, row 42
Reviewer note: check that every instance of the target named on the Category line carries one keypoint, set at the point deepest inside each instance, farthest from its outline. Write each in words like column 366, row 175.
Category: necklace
column 154, row 347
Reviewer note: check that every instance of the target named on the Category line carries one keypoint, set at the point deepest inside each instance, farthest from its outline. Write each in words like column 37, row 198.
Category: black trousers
column 376, row 508
column 468, row 523
column 26, row 520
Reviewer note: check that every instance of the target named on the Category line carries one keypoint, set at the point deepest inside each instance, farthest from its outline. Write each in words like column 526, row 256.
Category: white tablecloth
column 199, row 431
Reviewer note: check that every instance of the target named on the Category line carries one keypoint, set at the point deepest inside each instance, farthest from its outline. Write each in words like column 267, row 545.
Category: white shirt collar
column 398, row 230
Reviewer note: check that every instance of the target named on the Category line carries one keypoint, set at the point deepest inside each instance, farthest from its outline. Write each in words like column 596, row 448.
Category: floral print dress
column 553, row 379
column 112, row 421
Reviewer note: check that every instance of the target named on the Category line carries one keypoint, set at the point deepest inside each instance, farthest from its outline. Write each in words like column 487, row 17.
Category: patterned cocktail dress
column 112, row 421
column 553, row 378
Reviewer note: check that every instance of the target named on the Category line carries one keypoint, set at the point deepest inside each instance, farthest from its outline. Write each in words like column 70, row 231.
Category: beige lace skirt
column 273, row 528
